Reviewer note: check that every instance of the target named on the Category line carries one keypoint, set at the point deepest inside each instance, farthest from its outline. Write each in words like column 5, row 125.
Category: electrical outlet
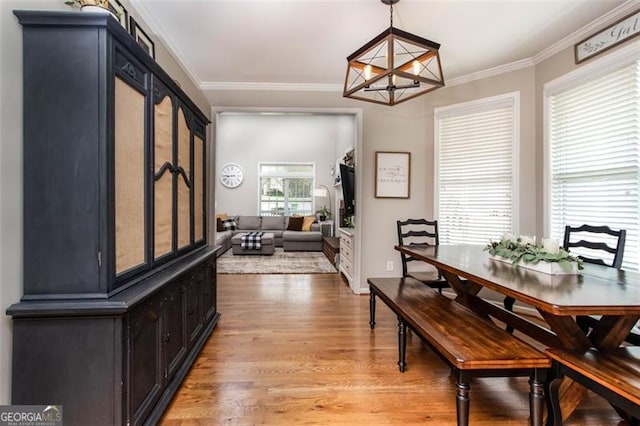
column 389, row 265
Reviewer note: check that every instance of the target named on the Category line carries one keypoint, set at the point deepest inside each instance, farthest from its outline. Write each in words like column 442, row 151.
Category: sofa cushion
column 272, row 223
column 308, row 220
column 219, row 225
column 302, row 236
column 295, row 223
column 249, row 222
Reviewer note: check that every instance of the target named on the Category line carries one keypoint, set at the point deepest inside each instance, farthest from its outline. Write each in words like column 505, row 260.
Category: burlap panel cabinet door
column 179, row 185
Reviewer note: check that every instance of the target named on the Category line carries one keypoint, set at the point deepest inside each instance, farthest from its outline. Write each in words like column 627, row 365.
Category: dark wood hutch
column 119, row 282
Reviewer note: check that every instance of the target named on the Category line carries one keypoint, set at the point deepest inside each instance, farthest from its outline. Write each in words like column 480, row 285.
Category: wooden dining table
column 610, row 293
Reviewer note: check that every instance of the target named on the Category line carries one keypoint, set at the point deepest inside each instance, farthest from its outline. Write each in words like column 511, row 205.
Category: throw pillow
column 229, row 225
column 219, row 225
column 308, row 220
column 222, row 216
column 295, row 223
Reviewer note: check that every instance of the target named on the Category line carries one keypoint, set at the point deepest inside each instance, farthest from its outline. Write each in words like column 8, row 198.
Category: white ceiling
column 307, row 41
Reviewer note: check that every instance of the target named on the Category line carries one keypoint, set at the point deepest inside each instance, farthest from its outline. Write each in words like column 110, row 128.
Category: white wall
column 11, row 160
column 249, row 138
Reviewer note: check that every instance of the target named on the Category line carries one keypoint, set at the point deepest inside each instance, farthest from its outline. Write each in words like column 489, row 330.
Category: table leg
column 612, row 330
column 372, row 309
column 459, row 286
column 610, row 333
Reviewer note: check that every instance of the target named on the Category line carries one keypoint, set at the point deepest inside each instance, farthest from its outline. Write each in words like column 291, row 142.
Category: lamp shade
column 319, row 192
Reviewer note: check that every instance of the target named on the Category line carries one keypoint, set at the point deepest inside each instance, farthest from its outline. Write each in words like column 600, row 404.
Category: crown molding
column 490, row 72
column 580, row 34
column 283, row 87
column 610, row 17
column 156, row 29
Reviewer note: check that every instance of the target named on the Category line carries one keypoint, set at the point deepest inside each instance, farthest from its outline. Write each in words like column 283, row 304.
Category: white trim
column 491, row 72
column 156, row 30
column 357, row 286
column 276, row 87
column 512, row 99
column 599, row 66
column 578, row 35
column 608, row 18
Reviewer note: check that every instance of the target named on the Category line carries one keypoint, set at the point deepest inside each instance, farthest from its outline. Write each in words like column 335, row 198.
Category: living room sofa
column 277, row 225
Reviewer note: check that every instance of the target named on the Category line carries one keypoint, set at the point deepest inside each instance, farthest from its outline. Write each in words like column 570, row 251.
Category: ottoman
column 268, row 246
column 302, row 241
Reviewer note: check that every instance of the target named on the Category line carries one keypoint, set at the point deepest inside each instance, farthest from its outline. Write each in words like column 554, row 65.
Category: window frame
column 599, row 67
column 473, row 106
column 311, row 175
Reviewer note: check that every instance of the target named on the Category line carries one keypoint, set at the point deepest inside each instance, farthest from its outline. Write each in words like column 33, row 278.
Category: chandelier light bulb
column 367, row 72
column 417, row 66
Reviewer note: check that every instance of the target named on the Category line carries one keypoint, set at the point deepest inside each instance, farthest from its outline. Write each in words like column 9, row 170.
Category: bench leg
column 372, row 310
column 536, row 396
column 462, row 397
column 402, row 344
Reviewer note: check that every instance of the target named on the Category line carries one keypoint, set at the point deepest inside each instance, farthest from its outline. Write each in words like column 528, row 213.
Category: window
column 476, row 145
column 593, row 150
column 286, row 189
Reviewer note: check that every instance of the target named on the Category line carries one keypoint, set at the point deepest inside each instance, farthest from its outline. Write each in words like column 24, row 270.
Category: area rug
column 281, row 262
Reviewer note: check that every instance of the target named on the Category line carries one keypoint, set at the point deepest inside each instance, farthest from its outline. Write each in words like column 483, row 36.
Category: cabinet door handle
column 189, row 312
column 166, row 338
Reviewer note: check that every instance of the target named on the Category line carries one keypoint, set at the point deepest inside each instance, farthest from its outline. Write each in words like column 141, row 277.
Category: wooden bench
column 613, row 374
column 470, row 344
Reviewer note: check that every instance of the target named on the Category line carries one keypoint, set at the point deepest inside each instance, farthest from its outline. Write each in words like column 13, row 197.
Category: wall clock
column 231, row 175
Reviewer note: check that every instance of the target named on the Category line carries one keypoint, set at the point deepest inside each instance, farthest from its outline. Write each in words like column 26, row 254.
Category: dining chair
column 420, row 232
column 599, row 245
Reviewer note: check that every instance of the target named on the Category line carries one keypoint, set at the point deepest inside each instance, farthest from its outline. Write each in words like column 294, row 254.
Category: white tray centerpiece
column 547, row 257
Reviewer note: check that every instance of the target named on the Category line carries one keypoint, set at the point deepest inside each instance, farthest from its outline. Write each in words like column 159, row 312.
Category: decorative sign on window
column 624, row 29
column 393, row 174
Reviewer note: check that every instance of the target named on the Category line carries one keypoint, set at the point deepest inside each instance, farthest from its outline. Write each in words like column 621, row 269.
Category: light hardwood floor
column 297, row 349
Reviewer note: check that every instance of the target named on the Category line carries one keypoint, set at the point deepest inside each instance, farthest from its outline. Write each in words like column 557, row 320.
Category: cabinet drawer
column 346, row 265
column 346, row 253
column 345, row 241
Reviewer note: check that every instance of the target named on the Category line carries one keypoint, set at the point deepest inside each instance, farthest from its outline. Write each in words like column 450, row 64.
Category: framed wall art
column 616, row 33
column 142, row 38
column 120, row 12
column 393, row 174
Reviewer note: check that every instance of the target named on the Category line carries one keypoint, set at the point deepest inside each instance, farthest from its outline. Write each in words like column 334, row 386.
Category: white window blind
column 475, row 170
column 594, row 141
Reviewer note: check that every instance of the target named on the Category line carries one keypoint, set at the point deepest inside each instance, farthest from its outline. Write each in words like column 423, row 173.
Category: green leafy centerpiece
column 523, row 251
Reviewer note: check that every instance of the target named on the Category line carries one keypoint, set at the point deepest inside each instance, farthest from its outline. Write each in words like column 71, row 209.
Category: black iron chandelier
column 393, row 67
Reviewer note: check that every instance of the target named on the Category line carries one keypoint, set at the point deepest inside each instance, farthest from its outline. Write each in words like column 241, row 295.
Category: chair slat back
column 416, row 232
column 616, row 238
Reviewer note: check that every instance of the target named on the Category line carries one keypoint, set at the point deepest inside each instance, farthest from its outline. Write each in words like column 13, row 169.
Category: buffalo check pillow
column 229, row 224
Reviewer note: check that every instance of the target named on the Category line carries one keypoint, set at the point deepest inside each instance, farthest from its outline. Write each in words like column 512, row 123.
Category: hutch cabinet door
column 183, row 182
column 208, row 288
column 144, row 372
column 173, row 335
column 163, row 171
column 198, row 184
column 194, row 318
column 129, row 160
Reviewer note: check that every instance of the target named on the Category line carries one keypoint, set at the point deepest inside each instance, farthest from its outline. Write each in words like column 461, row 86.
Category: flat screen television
column 348, row 180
